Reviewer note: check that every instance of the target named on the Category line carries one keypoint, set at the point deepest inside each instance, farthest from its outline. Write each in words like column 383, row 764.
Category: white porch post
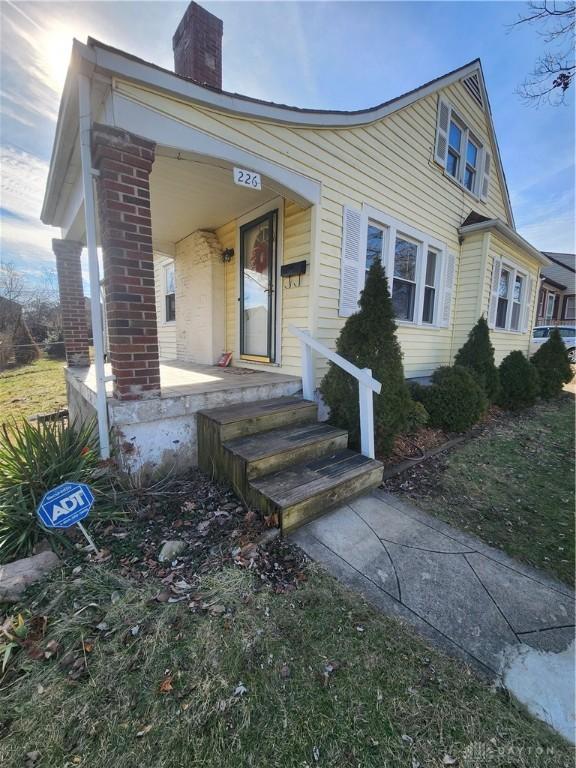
column 366, row 401
column 94, row 272
column 307, row 371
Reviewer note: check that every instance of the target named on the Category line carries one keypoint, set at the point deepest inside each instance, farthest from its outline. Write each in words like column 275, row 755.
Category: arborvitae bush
column 553, row 366
column 477, row 354
column 368, row 339
column 454, row 401
column 519, row 385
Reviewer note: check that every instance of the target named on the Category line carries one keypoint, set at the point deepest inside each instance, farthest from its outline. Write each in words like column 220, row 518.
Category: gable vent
column 472, row 85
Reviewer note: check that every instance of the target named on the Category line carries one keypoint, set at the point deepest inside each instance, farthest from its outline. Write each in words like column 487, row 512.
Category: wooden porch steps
column 280, row 459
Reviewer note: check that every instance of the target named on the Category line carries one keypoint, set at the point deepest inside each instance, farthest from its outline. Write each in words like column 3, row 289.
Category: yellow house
column 225, row 221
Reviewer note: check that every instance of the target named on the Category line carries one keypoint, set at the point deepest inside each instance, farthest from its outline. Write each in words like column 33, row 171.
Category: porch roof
column 497, row 225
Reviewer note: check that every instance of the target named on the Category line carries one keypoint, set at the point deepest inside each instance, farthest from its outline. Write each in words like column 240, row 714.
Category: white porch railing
column 366, row 384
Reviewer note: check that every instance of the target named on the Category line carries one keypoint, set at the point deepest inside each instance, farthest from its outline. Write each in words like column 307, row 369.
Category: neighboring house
column 224, row 220
column 557, row 295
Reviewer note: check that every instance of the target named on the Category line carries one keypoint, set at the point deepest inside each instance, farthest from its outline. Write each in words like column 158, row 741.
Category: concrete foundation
column 161, row 434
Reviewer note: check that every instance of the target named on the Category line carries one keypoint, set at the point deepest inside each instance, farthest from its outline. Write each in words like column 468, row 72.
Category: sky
column 333, row 55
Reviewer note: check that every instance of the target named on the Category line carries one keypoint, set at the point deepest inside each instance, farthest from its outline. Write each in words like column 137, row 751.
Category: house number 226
column 247, row 178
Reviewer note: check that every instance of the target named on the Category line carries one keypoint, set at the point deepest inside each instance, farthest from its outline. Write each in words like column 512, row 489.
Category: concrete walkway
column 474, row 601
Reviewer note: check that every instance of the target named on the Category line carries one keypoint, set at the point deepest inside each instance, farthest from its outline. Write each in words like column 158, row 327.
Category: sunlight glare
column 55, row 47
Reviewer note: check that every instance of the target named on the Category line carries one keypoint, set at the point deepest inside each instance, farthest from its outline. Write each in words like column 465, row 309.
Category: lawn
column 30, row 389
column 246, row 677
column 513, row 486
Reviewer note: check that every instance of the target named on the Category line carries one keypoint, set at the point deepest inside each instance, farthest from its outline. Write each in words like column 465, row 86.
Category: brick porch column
column 125, row 161
column 72, row 304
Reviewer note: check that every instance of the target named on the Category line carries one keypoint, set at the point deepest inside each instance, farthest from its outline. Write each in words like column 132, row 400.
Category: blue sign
column 65, row 505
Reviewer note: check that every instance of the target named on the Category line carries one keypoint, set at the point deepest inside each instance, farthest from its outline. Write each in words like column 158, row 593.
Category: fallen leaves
column 166, row 685
column 216, row 532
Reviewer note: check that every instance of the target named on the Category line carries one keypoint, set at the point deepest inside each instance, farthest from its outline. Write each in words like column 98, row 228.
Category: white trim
column 514, row 270
column 466, row 135
column 168, row 263
column 85, row 125
column 273, row 205
column 86, row 58
column 167, row 131
column 424, row 241
column 148, row 74
column 510, row 234
column 367, row 384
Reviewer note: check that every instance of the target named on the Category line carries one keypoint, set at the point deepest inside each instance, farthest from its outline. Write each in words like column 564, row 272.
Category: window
column 503, row 291
column 570, row 308
column 471, row 166
column 374, row 245
column 511, row 292
column 517, row 302
column 454, row 150
column 567, row 333
column 541, row 300
column 169, row 293
column 430, row 287
column 413, row 262
column 460, row 153
column 550, row 306
column 404, row 282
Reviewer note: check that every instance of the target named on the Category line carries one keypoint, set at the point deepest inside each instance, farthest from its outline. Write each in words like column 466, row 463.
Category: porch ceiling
column 191, row 193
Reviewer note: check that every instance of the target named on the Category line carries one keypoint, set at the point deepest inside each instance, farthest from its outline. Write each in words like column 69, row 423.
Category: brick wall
column 197, row 45
column 200, row 299
column 69, row 268
column 125, row 161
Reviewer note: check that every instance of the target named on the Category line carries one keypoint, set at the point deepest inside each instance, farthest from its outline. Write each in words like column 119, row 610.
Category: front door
column 258, row 288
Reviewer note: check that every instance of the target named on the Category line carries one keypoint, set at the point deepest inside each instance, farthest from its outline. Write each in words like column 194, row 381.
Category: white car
column 541, row 333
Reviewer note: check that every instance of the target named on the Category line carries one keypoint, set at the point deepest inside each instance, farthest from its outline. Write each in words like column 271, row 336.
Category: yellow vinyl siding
column 506, row 341
column 295, row 298
column 166, row 331
column 388, row 164
column 469, row 287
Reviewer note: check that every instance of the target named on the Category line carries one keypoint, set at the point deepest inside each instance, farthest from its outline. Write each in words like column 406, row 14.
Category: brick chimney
column 197, row 46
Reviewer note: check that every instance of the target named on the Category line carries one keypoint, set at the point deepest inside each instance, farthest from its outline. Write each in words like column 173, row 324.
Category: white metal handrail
column 366, row 384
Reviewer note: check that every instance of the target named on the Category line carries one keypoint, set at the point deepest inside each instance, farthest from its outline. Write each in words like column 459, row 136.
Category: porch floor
column 179, row 378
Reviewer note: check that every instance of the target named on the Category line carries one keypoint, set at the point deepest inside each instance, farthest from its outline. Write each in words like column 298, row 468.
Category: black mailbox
column 295, row 269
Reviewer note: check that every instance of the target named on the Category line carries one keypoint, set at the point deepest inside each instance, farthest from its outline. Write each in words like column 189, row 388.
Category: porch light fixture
column 227, row 255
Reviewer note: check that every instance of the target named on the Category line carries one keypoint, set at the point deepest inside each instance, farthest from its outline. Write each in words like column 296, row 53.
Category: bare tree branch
column 554, row 72
column 11, row 282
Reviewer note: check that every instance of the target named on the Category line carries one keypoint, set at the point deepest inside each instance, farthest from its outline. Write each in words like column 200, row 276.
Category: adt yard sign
column 65, row 505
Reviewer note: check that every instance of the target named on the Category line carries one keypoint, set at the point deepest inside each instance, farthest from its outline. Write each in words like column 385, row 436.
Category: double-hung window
column 470, row 171
column 462, row 155
column 169, row 293
column 511, row 293
column 517, row 300
column 374, row 243
column 414, row 264
column 454, row 157
column 404, row 283
column 430, row 281
column 550, row 301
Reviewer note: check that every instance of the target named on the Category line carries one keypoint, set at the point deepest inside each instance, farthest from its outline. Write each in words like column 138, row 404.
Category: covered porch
column 195, row 266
